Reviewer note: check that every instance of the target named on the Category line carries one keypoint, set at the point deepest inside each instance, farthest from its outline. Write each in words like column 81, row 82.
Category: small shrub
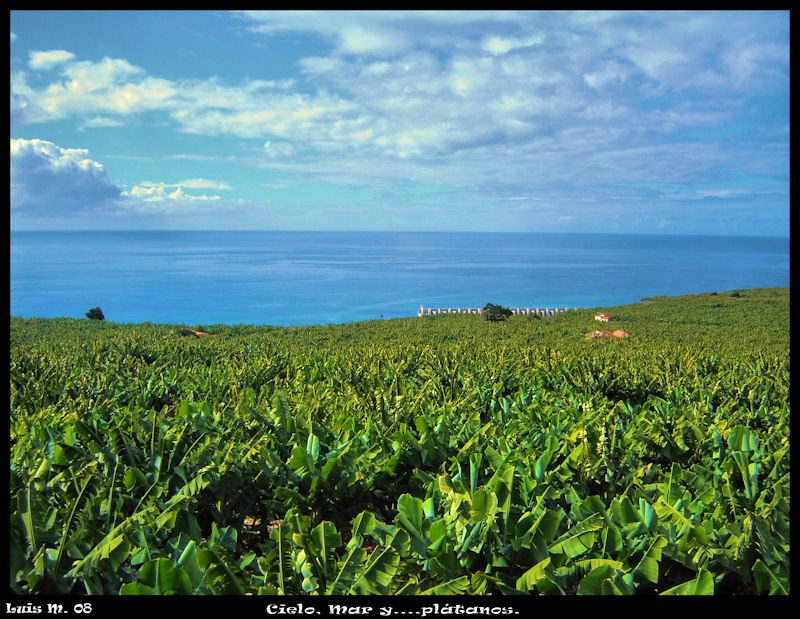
column 495, row 313
column 95, row 314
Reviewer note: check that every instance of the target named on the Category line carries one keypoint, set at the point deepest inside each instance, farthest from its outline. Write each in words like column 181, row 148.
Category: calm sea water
column 300, row 278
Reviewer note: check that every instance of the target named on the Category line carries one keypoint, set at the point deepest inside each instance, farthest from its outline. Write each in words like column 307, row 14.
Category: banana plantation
column 441, row 455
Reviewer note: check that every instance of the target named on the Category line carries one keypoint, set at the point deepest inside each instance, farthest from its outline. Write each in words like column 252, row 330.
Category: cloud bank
column 552, row 105
column 49, row 179
column 65, row 184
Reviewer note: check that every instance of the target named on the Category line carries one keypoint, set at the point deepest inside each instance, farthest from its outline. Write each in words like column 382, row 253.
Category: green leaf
column 624, row 512
column 64, row 455
column 163, row 576
column 348, row 571
column 474, row 439
column 312, row 447
column 225, row 537
column 673, row 491
column 300, row 461
column 665, row 511
column 532, row 530
column 484, row 506
column 611, row 540
column 410, row 517
column 188, row 562
column 363, row 524
column 749, row 473
column 474, row 471
column 592, row 583
column 134, row 477
column 579, row 538
column 166, row 520
column 551, row 447
column 324, row 540
column 702, row 585
column 456, row 586
column 136, row 588
column 621, row 584
column 768, row 581
column 593, row 564
column 741, row 439
column 648, row 566
column 647, row 514
column 531, row 577
column 377, row 578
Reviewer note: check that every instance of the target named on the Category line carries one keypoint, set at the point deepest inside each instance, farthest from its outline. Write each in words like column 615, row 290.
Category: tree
column 495, row 312
column 95, row 314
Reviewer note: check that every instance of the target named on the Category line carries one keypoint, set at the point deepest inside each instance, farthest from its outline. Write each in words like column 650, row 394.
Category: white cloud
column 757, row 63
column 611, row 74
column 361, row 40
column 58, row 184
column 111, row 86
column 204, row 183
column 42, row 61
column 276, row 150
column 498, row 45
column 354, row 32
column 102, row 121
column 661, row 64
column 464, row 98
column 318, row 65
column 723, row 193
column 384, row 32
column 292, row 117
column 48, row 179
column 161, row 192
column 412, row 102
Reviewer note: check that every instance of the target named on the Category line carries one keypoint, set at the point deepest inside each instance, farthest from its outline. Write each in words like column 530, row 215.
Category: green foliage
column 433, row 455
column 95, row 314
column 495, row 313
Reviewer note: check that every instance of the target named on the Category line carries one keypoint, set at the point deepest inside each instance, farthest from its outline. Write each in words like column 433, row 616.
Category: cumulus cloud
column 110, row 86
column 65, row 184
column 47, row 179
column 168, row 192
column 434, row 91
column 309, row 118
column 459, row 97
column 42, row 61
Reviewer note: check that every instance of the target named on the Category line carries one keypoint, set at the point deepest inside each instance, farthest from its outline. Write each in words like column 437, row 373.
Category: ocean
column 302, row 278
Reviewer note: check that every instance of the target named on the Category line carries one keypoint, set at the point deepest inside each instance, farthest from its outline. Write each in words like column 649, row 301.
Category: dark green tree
column 495, row 312
column 95, row 314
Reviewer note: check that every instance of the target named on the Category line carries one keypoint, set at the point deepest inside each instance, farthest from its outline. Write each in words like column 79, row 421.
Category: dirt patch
column 619, row 333
column 197, row 334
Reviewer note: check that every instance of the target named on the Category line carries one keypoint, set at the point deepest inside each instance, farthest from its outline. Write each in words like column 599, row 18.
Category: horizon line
column 404, row 231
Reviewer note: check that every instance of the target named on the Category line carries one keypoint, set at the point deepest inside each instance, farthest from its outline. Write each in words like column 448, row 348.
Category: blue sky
column 637, row 122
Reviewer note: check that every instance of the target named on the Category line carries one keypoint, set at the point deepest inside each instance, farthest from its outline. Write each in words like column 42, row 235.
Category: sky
column 511, row 121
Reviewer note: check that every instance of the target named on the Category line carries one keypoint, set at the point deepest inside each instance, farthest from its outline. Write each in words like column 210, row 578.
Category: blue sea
column 302, row 278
